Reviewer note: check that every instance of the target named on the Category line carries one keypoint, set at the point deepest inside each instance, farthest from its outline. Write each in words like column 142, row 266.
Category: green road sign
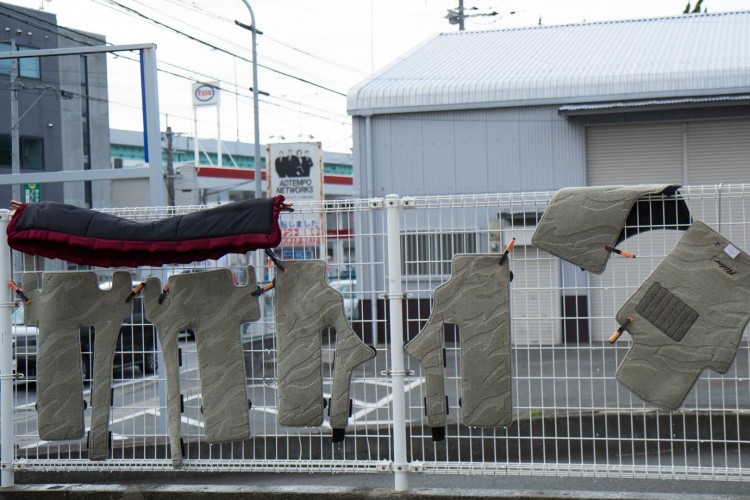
column 32, row 192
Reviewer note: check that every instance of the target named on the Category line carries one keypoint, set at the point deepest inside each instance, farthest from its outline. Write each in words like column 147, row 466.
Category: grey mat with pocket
column 67, row 301
column 580, row 222
column 305, row 306
column 688, row 315
column 476, row 299
column 209, row 304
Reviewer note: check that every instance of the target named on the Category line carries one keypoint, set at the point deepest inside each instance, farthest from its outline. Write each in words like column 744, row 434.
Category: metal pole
column 256, row 159
column 15, row 125
column 395, row 328
column 7, row 426
column 195, row 136
column 153, row 138
column 219, row 155
column 367, row 176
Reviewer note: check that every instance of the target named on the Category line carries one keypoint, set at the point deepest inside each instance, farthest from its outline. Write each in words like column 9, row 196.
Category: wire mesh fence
column 570, row 415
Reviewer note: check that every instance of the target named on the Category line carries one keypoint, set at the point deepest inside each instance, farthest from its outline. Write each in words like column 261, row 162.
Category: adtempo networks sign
column 206, row 94
column 295, row 171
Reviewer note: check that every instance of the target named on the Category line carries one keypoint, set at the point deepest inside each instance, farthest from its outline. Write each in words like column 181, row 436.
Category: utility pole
column 15, row 145
column 459, row 15
column 170, row 168
column 256, row 120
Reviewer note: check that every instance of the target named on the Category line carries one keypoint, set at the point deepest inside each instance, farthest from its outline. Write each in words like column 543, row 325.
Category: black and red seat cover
column 88, row 237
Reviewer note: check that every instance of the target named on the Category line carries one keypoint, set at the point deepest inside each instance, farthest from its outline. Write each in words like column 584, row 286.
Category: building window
column 425, row 254
column 32, row 152
column 28, row 67
column 5, row 150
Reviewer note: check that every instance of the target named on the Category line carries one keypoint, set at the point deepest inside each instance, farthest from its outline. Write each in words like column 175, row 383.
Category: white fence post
column 396, row 335
column 7, row 426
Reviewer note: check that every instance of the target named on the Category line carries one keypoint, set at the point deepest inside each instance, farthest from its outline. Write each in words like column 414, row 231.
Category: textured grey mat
column 305, row 306
column 65, row 302
column 580, row 222
column 476, row 299
column 688, row 315
column 209, row 304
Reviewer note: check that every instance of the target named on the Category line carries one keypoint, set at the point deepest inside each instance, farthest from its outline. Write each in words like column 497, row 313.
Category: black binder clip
column 275, row 260
column 164, row 293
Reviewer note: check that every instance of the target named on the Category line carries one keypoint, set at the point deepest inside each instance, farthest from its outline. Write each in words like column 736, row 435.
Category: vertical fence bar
column 396, row 334
column 7, row 426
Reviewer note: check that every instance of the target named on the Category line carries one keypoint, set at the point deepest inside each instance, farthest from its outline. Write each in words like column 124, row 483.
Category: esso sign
column 205, row 94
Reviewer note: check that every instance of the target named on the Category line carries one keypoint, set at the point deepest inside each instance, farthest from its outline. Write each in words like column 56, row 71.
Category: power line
column 201, row 10
column 215, row 47
column 98, row 41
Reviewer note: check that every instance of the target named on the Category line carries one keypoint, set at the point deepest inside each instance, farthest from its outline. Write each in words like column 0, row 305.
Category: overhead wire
column 201, row 10
column 161, row 70
column 78, row 39
column 214, row 46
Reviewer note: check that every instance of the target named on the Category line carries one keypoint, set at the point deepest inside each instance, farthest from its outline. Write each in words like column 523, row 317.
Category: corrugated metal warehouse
column 660, row 100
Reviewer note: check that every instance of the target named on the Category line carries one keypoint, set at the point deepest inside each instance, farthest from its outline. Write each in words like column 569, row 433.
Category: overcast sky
column 314, row 51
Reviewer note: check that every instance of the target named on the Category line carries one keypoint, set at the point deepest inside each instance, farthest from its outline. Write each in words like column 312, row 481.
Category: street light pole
column 256, row 160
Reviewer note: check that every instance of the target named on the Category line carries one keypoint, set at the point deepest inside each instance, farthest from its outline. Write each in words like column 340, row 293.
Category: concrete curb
column 218, row 492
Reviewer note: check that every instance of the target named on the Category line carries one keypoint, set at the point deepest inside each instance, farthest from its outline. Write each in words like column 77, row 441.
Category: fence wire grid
column 570, row 415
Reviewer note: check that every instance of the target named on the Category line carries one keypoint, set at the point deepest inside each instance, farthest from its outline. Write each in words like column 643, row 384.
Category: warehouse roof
column 667, row 57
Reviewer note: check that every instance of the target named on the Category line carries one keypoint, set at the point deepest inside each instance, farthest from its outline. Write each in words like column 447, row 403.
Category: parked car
column 346, row 272
column 135, row 345
column 348, row 288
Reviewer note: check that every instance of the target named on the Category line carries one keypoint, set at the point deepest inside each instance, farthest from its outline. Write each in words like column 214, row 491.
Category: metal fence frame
column 570, row 416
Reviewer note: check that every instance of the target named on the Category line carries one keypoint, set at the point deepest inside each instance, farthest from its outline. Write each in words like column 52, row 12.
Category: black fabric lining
column 250, row 216
column 670, row 213
column 667, row 312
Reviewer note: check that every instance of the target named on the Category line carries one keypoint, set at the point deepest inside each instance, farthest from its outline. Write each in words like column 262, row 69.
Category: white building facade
column 661, row 100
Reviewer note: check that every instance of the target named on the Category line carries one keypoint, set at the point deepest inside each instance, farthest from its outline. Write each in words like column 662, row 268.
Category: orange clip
column 261, row 290
column 19, row 292
column 619, row 252
column 135, row 291
column 507, row 251
column 619, row 331
column 15, row 205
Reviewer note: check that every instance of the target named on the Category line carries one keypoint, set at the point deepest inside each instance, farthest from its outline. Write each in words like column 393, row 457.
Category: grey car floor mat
column 476, row 299
column 580, row 223
column 209, row 304
column 688, row 315
column 306, row 306
column 67, row 301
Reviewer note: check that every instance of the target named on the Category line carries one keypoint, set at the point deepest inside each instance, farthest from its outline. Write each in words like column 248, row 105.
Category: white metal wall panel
column 634, row 154
column 535, row 298
column 476, row 151
column 718, row 152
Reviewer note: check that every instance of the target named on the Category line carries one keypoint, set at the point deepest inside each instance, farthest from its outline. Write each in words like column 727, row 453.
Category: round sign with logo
column 205, row 94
